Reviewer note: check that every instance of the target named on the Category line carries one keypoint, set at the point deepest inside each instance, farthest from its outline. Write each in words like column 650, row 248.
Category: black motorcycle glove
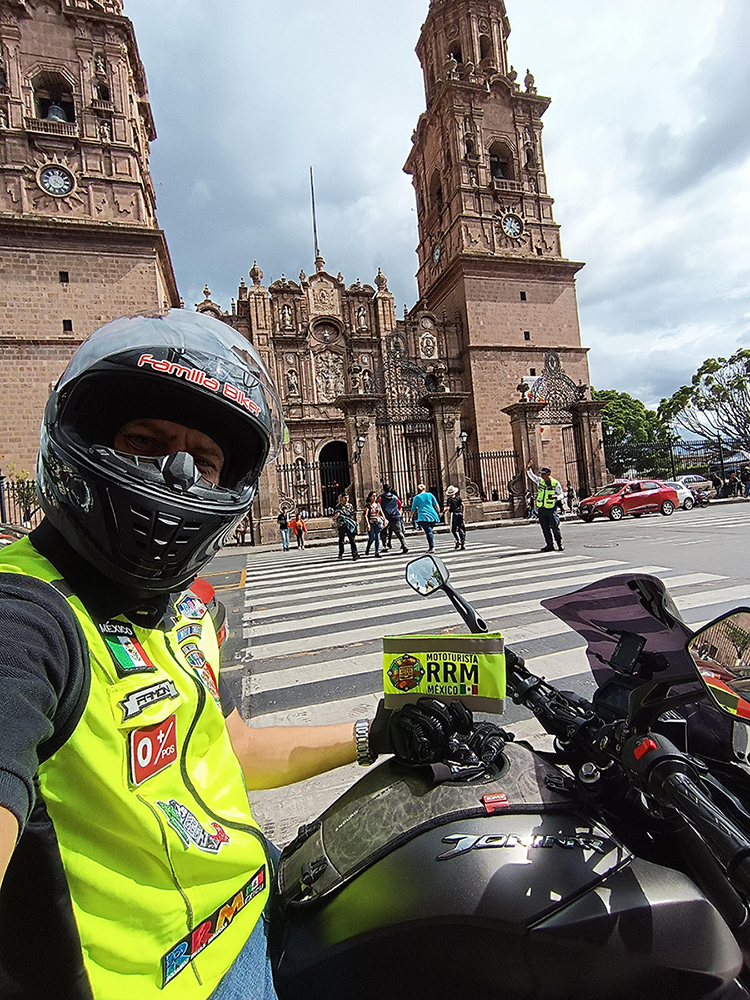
column 487, row 741
column 418, row 733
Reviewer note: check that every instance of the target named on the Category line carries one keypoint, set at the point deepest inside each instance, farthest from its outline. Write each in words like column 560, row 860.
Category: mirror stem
column 475, row 624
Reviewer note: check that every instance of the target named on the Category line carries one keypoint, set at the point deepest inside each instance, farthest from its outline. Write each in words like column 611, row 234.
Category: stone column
column 527, row 443
column 359, row 414
column 446, row 415
column 590, row 439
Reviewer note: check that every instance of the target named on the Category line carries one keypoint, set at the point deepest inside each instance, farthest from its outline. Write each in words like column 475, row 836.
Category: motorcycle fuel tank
column 537, row 904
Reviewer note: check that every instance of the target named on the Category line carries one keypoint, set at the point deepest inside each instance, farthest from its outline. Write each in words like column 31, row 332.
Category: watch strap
column 365, row 756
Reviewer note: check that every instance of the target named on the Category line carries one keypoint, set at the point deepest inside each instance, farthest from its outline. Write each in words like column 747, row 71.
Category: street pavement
column 305, row 643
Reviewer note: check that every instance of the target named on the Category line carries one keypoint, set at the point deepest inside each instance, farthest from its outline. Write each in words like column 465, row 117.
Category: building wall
column 102, row 231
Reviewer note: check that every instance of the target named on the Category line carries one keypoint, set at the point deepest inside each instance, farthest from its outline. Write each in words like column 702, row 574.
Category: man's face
column 546, row 476
column 154, row 438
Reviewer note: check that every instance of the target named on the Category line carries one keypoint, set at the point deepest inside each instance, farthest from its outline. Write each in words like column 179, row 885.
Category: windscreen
column 609, row 611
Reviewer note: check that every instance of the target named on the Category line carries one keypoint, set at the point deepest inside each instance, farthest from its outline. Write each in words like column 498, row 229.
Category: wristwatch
column 365, row 756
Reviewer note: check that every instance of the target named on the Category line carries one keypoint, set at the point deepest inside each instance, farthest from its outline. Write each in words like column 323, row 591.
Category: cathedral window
column 67, row 326
column 53, row 98
column 455, row 52
column 436, row 191
column 532, row 371
column 470, row 147
column 527, row 335
column 501, row 162
column 102, row 92
column 523, row 296
column 64, row 277
column 485, row 47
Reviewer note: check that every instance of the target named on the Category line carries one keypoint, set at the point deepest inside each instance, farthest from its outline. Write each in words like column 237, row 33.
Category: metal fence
column 492, row 471
column 669, row 459
column 313, row 486
column 18, row 502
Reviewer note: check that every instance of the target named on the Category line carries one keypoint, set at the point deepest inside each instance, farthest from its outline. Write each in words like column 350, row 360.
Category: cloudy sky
column 647, row 147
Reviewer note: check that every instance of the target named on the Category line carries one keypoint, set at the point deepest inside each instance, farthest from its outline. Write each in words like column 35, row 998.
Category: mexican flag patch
column 128, row 654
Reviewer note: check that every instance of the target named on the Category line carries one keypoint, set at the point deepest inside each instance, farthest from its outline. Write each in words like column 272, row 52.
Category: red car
column 632, row 496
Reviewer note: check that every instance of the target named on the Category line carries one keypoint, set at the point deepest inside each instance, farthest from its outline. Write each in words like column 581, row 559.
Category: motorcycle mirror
column 721, row 654
column 427, row 574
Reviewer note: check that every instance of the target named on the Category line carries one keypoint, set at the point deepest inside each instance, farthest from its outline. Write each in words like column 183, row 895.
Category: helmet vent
column 163, row 537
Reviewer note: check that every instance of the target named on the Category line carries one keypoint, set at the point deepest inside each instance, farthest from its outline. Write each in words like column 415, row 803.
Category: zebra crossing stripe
column 297, row 642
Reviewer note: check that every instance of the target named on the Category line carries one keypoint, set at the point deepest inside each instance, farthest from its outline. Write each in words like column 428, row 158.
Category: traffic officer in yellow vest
column 549, row 495
column 133, row 865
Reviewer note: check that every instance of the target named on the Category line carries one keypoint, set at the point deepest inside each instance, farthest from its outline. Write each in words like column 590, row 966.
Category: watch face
column 512, row 226
column 56, row 180
column 437, row 250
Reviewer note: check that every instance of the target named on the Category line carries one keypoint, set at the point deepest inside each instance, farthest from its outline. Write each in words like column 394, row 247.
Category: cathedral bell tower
column 489, row 248
column 79, row 240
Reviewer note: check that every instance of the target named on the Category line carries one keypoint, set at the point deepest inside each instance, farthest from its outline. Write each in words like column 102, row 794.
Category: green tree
column 717, row 401
column 627, row 420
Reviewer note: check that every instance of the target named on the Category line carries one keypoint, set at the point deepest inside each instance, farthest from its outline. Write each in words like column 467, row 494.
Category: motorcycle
column 701, row 498
column 618, row 862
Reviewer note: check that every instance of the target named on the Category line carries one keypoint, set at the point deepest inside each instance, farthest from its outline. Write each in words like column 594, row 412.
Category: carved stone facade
column 489, row 248
column 79, row 238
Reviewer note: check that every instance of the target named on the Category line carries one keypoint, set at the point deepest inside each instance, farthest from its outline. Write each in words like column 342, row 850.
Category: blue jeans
column 249, row 977
column 285, row 539
column 426, row 526
column 374, row 536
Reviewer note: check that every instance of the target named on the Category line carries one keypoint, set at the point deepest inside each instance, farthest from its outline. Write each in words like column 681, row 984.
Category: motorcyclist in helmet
column 133, row 860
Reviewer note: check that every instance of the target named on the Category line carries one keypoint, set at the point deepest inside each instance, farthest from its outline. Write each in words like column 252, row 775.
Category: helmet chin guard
column 153, row 523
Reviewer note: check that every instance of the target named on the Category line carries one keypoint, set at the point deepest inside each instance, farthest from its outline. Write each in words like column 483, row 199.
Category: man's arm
column 280, row 755
column 532, row 475
column 8, row 837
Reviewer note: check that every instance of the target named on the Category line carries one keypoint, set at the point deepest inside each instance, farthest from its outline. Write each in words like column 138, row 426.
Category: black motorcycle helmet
column 152, row 523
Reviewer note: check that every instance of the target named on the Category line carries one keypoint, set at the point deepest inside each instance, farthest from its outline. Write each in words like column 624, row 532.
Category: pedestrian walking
column 374, row 521
column 549, row 497
column 241, row 530
column 731, row 486
column 454, row 510
column 530, row 507
column 392, row 508
column 299, row 528
column 718, row 483
column 283, row 520
column 571, row 498
column 745, row 480
column 427, row 513
column 345, row 522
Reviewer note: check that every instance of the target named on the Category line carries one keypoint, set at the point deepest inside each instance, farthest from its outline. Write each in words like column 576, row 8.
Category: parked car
column 633, row 496
column 685, row 496
column 11, row 533
column 695, row 482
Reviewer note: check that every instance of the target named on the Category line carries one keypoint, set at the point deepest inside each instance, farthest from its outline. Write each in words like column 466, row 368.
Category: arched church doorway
column 335, row 473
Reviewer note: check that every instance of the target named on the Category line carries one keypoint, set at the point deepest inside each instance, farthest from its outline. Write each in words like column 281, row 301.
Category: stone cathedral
column 487, row 370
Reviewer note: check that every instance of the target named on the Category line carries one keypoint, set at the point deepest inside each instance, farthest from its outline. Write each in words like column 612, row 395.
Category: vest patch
column 203, row 669
column 192, row 944
column 187, row 631
column 189, row 829
column 192, row 607
column 137, row 701
column 127, row 653
column 152, row 749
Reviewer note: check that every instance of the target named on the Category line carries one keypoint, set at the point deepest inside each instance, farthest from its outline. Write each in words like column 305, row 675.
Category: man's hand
column 419, row 733
column 530, row 464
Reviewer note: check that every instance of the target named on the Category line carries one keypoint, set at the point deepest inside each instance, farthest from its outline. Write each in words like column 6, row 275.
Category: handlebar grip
column 727, row 841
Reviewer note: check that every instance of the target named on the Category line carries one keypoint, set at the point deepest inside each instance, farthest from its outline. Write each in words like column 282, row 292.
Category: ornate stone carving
column 428, row 345
column 325, row 333
column 329, row 376
column 292, row 382
column 256, row 275
column 286, row 317
column 362, row 323
column 528, row 82
column 381, row 281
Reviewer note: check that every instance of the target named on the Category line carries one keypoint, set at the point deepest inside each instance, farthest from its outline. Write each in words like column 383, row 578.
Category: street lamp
column 360, row 442
column 464, row 436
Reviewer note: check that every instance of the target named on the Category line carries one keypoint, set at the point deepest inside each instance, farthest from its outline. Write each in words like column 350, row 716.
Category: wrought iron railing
column 313, row 487
column 492, row 472
column 18, row 502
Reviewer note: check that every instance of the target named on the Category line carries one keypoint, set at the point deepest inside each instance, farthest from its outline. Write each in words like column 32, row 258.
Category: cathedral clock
column 56, row 180
column 512, row 225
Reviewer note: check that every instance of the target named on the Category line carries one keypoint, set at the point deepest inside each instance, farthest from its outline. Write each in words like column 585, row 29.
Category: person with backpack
column 426, row 512
column 283, row 520
column 345, row 522
column 454, row 509
column 391, row 506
